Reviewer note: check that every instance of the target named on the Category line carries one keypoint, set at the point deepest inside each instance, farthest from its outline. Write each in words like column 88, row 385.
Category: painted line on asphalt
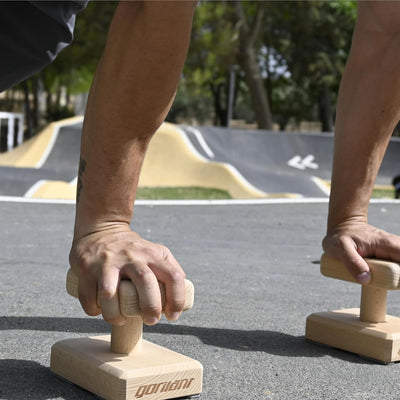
column 15, row 199
column 54, row 136
column 202, row 142
column 233, row 169
column 321, row 185
column 34, row 188
column 303, row 200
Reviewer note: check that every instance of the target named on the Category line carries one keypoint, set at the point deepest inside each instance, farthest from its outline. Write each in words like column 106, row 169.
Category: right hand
column 353, row 240
column 114, row 252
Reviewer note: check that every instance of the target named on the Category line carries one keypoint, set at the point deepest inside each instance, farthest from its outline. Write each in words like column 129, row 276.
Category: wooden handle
column 373, row 304
column 384, row 274
column 128, row 296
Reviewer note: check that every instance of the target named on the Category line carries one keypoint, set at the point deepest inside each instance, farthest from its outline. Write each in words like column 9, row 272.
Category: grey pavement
column 256, row 280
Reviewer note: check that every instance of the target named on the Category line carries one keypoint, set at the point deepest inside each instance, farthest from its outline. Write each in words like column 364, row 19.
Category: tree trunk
column 248, row 61
column 28, row 111
column 220, row 117
column 35, row 111
column 325, row 109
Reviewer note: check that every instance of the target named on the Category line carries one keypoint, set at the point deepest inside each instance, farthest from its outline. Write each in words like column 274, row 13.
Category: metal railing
column 12, row 132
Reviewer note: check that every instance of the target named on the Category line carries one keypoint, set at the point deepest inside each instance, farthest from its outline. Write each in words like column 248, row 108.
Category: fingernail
column 174, row 316
column 151, row 321
column 364, row 277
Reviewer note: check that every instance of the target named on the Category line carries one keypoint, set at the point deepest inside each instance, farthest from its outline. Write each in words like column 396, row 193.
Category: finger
column 356, row 265
column 172, row 275
column 108, row 296
column 87, row 294
column 148, row 291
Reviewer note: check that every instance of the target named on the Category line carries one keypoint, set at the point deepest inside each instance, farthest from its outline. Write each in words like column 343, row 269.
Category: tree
column 314, row 38
column 226, row 35
column 212, row 53
column 250, row 17
column 287, row 58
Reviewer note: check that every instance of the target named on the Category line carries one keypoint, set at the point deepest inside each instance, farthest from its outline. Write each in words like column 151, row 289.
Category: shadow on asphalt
column 271, row 342
column 20, row 378
column 55, row 324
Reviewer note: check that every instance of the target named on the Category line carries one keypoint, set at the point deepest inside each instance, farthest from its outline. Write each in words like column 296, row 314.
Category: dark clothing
column 32, row 33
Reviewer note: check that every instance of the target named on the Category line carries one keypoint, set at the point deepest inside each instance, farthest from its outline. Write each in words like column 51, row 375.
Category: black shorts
column 32, row 33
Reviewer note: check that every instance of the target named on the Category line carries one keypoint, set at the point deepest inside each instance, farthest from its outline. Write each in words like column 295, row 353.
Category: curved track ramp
column 172, row 161
column 45, row 166
column 247, row 164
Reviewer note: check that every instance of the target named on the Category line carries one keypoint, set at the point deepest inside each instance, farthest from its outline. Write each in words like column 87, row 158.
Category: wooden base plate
column 151, row 372
column 343, row 329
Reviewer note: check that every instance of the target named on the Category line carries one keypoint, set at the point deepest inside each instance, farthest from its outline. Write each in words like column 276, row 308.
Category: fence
column 11, row 130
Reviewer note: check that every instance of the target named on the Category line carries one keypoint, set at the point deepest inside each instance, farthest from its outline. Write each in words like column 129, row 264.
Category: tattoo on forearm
column 82, row 166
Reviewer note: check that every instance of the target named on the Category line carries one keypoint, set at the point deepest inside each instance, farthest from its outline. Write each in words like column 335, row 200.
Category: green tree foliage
column 287, row 58
column 298, row 49
column 225, row 41
column 311, row 39
column 75, row 66
column 205, row 82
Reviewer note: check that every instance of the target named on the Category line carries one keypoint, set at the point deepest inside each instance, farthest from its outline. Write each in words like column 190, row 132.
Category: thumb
column 355, row 263
column 347, row 253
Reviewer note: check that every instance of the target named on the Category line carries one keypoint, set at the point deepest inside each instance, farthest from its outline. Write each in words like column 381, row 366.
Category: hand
column 114, row 252
column 353, row 240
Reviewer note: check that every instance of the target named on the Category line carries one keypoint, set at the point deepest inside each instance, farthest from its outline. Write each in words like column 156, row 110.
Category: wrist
column 94, row 217
column 348, row 203
column 335, row 223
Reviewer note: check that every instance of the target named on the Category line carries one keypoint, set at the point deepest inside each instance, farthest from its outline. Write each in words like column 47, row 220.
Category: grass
column 201, row 193
column 181, row 193
column 384, row 192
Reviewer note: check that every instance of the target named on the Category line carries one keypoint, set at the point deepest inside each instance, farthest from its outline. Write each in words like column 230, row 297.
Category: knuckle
column 82, row 261
column 177, row 275
column 144, row 274
column 165, row 252
column 174, row 275
column 153, row 310
column 106, row 292
column 176, row 305
column 104, row 256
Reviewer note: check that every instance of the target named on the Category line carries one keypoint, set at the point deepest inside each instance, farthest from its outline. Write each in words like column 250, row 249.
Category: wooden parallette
column 367, row 330
column 122, row 365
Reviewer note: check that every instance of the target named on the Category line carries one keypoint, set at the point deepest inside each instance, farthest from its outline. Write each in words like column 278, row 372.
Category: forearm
column 368, row 110
column 131, row 94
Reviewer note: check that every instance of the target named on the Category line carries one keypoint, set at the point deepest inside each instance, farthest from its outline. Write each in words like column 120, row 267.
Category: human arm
column 132, row 91
column 368, row 110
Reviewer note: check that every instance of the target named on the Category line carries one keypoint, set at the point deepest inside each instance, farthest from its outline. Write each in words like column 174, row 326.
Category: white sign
column 303, row 163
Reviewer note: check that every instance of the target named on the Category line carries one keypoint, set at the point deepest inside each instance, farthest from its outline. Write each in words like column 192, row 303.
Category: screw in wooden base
column 150, row 372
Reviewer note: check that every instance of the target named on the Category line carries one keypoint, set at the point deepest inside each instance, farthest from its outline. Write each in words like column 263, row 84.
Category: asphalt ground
column 256, row 280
